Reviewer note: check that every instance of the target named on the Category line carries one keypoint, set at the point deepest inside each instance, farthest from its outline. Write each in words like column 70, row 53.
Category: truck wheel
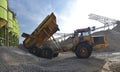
column 47, row 52
column 39, row 52
column 55, row 54
column 33, row 50
column 83, row 51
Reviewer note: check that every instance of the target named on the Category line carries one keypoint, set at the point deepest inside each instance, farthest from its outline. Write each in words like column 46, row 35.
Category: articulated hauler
column 42, row 43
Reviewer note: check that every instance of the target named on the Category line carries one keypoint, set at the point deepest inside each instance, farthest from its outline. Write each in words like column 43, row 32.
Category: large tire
column 83, row 50
column 39, row 52
column 47, row 52
column 55, row 54
column 33, row 50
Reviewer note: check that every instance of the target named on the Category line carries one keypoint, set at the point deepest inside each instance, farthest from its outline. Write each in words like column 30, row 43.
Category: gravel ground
column 66, row 62
column 18, row 60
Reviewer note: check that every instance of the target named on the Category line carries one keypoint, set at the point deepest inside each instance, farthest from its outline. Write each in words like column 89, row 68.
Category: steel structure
column 105, row 20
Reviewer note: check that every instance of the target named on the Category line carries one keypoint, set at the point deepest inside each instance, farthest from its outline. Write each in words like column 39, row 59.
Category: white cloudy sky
column 78, row 17
column 71, row 14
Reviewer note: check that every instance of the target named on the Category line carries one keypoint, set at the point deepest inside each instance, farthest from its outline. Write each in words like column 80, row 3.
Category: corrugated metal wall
column 9, row 27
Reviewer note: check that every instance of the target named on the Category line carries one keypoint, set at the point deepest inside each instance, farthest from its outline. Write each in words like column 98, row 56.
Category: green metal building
column 9, row 27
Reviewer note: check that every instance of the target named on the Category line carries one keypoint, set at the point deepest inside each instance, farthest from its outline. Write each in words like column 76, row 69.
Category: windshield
column 86, row 33
column 83, row 34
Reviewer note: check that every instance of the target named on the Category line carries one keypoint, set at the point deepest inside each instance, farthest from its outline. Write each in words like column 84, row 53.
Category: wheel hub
column 83, row 51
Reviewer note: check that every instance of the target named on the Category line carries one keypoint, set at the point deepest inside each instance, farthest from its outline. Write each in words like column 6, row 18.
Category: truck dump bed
column 42, row 33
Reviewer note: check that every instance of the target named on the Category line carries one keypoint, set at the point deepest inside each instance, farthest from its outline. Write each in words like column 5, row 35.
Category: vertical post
column 64, row 36
column 7, row 30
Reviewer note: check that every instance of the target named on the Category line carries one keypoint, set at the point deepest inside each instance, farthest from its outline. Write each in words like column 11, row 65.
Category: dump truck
column 43, row 44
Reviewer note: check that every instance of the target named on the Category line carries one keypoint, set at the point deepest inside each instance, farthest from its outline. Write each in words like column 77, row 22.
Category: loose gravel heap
column 14, row 55
column 117, row 28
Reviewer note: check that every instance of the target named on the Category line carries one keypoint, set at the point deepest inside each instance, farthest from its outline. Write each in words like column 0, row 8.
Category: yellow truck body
column 42, row 33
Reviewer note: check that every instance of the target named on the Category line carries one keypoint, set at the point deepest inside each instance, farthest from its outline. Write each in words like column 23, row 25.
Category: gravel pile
column 14, row 55
column 117, row 28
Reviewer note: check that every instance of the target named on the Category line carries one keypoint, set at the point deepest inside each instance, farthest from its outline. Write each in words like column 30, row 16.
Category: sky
column 70, row 14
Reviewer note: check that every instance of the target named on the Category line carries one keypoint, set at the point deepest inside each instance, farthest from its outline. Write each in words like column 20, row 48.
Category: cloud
column 75, row 14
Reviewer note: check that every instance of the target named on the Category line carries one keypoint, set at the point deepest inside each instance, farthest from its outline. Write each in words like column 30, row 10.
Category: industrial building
column 9, row 27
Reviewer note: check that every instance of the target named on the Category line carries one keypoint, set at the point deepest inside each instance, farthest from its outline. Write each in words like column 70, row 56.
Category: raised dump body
column 42, row 33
